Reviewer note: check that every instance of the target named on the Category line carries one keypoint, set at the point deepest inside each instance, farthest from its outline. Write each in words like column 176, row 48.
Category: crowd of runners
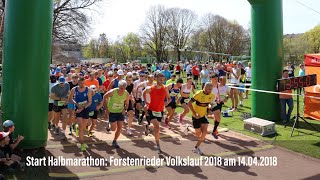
column 132, row 94
column 138, row 95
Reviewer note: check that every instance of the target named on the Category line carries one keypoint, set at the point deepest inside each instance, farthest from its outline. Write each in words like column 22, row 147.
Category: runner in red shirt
column 107, row 81
column 195, row 73
column 154, row 108
column 178, row 70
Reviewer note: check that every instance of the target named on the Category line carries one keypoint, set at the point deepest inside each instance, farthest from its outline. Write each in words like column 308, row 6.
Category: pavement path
column 232, row 148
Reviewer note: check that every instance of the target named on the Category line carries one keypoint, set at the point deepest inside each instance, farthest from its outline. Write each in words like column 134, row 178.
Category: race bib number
column 91, row 113
column 157, row 114
column 60, row 103
column 83, row 103
column 186, row 100
column 117, row 106
column 173, row 94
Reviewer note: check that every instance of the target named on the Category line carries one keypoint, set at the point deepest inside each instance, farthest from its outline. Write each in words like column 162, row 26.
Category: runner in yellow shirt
column 199, row 106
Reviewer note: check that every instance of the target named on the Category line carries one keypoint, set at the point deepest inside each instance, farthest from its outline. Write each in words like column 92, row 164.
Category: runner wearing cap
column 81, row 96
column 96, row 105
column 58, row 72
column 185, row 97
column 107, row 81
column 199, row 107
column 114, row 83
column 118, row 99
column 59, row 93
column 154, row 109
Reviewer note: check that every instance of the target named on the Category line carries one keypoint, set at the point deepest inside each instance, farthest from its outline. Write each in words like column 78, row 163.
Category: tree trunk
column 178, row 54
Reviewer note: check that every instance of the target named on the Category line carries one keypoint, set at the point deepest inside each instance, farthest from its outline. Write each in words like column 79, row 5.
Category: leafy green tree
column 295, row 47
column 91, row 50
column 313, row 36
column 133, row 45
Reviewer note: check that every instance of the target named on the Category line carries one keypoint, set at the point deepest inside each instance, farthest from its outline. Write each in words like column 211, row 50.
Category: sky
column 116, row 18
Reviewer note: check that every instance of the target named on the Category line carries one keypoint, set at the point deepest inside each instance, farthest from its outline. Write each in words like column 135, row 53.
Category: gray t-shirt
column 61, row 92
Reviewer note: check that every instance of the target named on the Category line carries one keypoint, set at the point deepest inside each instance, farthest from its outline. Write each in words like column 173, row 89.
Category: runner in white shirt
column 249, row 77
column 185, row 97
column 220, row 91
column 235, row 78
column 137, row 95
column 142, row 87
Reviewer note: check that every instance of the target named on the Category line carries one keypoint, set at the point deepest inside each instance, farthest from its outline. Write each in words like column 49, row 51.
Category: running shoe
column 83, row 147
column 53, row 127
column 56, row 130
column 146, row 131
column 158, row 149
column 167, row 124
column 215, row 134
column 108, row 126
column 77, row 130
column 74, row 127
column 70, row 129
column 90, row 133
column 186, row 130
column 140, row 120
column 198, row 151
column 115, row 144
column 129, row 132
column 87, row 128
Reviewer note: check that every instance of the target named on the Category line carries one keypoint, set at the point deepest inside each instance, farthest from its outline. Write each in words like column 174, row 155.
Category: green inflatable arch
column 26, row 57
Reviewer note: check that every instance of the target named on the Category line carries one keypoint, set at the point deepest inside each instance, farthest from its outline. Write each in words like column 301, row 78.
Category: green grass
column 305, row 140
